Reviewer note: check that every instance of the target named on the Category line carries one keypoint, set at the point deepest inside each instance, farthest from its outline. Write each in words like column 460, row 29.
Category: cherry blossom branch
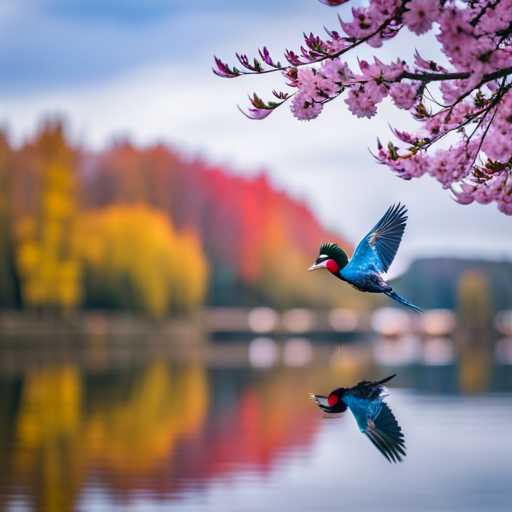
column 475, row 36
column 436, row 77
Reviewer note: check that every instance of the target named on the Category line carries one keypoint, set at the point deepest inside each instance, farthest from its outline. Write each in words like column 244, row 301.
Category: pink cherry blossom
column 403, row 95
column 361, row 104
column 414, row 167
column 375, row 91
column 337, row 71
column 304, row 108
column 450, row 165
column 467, row 104
column 420, row 15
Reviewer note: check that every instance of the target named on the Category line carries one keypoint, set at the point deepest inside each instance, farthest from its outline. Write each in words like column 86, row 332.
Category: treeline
column 146, row 230
column 476, row 289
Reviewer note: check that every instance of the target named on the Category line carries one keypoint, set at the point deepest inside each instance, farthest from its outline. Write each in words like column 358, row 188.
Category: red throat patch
column 332, row 399
column 332, row 266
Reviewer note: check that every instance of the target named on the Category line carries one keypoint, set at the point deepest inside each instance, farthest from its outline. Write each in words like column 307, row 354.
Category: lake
column 219, row 428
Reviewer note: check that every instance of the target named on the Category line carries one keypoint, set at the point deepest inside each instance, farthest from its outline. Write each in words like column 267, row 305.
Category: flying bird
column 372, row 258
column 372, row 414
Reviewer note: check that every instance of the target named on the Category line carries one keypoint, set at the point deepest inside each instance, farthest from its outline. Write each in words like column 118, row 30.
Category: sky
column 142, row 69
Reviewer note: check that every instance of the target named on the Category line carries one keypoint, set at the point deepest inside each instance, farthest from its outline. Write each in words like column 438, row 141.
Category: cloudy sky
column 142, row 68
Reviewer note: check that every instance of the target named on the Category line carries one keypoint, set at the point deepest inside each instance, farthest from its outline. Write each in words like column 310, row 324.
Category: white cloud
column 325, row 162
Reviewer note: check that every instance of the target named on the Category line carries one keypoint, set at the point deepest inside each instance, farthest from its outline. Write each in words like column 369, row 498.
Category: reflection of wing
column 377, row 422
column 379, row 246
column 385, row 433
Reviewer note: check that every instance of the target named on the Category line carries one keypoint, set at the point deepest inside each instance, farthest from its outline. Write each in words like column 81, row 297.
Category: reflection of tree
column 48, row 451
column 149, row 428
column 475, row 366
column 268, row 416
column 59, row 437
column 134, row 436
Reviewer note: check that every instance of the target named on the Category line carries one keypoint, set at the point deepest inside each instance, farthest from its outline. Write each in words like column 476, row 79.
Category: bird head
column 331, row 404
column 331, row 257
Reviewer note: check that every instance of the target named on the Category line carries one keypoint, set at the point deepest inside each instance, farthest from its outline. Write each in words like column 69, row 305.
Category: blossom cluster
column 476, row 105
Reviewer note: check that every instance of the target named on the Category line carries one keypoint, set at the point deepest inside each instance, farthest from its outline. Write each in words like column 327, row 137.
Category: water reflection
column 120, row 424
column 160, row 428
column 78, row 435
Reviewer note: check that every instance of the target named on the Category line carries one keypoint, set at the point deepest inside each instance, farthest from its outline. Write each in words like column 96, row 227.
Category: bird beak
column 316, row 266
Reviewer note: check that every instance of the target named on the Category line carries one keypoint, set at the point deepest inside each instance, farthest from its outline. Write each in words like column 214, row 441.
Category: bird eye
column 332, row 399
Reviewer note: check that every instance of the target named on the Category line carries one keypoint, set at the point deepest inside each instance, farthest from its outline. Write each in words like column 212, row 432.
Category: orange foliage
column 151, row 428
column 141, row 218
column 267, row 239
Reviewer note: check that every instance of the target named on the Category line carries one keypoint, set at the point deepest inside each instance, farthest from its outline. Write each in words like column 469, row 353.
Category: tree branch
column 436, row 77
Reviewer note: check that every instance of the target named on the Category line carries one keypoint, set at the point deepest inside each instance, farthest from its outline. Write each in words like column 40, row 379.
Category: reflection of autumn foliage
column 133, row 437
column 63, row 431
column 136, row 249
column 272, row 416
column 46, row 436
column 150, row 429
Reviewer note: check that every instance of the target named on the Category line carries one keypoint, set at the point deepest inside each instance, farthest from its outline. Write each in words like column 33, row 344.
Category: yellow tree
column 49, row 268
column 136, row 260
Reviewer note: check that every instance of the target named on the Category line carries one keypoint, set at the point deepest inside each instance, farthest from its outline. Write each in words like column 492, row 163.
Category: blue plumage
column 372, row 257
column 374, row 417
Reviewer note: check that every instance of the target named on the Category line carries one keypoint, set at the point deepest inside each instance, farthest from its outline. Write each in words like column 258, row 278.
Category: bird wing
column 385, row 433
column 377, row 422
column 379, row 246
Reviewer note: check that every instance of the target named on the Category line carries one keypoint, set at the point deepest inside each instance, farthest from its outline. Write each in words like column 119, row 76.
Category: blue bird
column 372, row 258
column 374, row 417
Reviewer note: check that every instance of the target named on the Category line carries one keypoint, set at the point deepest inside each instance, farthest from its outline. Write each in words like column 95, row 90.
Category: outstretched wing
column 377, row 422
column 385, row 433
column 379, row 246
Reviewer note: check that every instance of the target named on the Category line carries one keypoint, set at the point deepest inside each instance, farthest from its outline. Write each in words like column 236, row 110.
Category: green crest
column 335, row 252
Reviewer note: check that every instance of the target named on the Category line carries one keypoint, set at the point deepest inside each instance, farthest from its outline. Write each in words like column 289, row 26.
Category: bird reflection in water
column 372, row 414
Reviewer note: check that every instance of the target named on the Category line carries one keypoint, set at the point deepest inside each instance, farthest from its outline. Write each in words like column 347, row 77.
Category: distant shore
column 16, row 325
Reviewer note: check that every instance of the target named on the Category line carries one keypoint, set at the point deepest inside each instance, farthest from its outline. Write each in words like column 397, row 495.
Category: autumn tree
column 136, row 260
column 257, row 239
column 49, row 268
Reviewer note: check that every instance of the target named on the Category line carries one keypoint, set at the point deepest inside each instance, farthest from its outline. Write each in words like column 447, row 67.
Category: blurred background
column 159, row 332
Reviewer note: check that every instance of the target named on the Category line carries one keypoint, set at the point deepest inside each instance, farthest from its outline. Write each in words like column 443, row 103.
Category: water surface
column 153, row 430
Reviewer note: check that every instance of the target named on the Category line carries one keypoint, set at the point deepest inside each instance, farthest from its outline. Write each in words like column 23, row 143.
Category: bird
column 372, row 414
column 372, row 257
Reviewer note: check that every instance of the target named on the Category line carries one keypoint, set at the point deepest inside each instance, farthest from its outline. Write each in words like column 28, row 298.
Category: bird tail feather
column 403, row 301
column 387, row 379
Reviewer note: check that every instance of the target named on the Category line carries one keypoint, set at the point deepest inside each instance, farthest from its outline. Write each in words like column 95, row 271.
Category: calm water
column 144, row 430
